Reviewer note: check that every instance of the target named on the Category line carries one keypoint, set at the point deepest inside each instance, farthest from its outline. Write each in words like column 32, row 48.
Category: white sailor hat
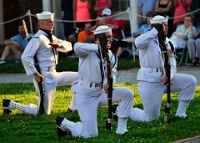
column 158, row 19
column 107, row 12
column 45, row 15
column 102, row 29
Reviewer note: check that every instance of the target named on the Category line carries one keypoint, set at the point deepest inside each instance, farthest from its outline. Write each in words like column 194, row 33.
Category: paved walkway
column 124, row 76
column 130, row 76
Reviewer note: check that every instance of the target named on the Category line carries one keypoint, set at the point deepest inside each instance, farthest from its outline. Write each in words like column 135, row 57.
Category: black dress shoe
column 59, row 120
column 6, row 103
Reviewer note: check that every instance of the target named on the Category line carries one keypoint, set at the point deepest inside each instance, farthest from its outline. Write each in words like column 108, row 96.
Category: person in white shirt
column 193, row 46
column 183, row 32
column 152, row 75
column 45, row 47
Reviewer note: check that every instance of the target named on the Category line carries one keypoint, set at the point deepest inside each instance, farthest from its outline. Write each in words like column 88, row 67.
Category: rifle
column 41, row 106
column 103, row 43
column 109, row 96
column 168, row 70
column 161, row 39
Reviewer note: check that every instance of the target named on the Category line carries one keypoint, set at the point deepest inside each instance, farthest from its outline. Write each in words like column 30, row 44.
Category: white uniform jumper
column 149, row 79
column 90, row 95
column 39, row 45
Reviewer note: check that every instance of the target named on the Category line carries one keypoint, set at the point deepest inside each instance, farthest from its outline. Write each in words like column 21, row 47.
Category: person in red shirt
column 112, row 23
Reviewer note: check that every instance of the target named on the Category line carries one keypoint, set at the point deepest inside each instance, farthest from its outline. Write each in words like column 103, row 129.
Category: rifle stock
column 161, row 39
column 110, row 82
column 109, row 96
column 103, row 43
column 168, row 71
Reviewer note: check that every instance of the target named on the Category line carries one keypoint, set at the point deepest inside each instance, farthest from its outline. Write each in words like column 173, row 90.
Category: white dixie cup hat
column 158, row 19
column 102, row 29
column 45, row 15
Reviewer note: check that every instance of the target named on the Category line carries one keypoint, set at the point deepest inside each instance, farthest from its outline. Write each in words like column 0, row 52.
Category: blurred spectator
column 85, row 33
column 110, row 22
column 66, row 7
column 183, row 32
column 193, row 46
column 82, row 36
column 100, row 5
column 146, row 26
column 143, row 7
column 181, row 8
column 122, row 51
column 81, row 13
column 164, row 8
column 15, row 45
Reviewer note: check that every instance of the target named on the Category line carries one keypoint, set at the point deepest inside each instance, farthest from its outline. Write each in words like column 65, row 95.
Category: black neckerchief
column 49, row 34
column 98, row 53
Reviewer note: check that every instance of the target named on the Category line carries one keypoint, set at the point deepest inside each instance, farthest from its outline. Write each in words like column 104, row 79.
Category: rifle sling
column 101, row 66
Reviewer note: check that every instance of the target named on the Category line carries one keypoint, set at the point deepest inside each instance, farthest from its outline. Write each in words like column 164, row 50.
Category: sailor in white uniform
column 45, row 46
column 152, row 76
column 91, row 91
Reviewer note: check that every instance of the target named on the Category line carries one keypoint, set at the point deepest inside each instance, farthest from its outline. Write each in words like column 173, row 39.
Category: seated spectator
column 110, row 22
column 15, row 44
column 193, row 46
column 81, row 36
column 85, row 33
column 144, row 28
column 100, row 5
column 183, row 32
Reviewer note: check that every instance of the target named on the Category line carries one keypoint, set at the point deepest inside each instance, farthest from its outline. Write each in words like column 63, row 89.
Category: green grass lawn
column 21, row 128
